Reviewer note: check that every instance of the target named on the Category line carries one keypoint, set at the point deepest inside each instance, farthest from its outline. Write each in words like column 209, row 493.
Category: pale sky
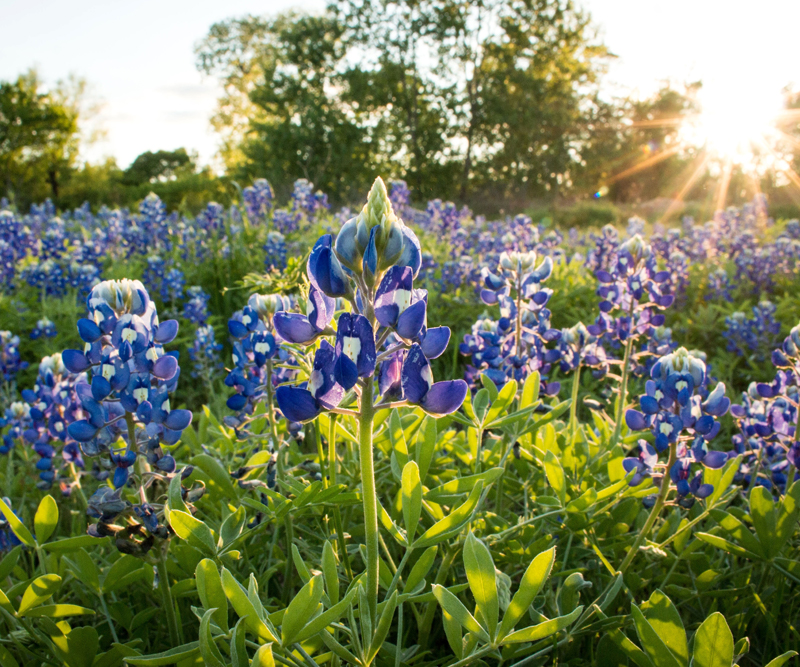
column 138, row 58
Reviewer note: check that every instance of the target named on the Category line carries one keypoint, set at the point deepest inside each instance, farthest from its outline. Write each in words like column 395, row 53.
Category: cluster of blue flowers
column 681, row 420
column 754, row 336
column 516, row 344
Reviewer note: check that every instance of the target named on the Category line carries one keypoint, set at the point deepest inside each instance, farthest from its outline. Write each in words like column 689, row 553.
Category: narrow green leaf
column 330, row 571
column 239, row 657
column 412, row 498
column 489, row 386
column 383, row 627
column 84, row 568
column 530, row 390
column 500, row 404
column 463, row 484
column 244, row 607
column 781, row 659
column 212, row 595
column 453, row 521
column 9, row 561
column 58, row 611
column 319, row 623
column 74, row 543
column 170, row 657
column 38, row 591
column 425, row 446
column 653, row 645
column 393, row 529
column 458, row 611
column 420, row 569
column 713, row 643
column 208, row 647
column 46, row 519
column 300, row 609
column 736, row 529
column 543, row 630
column 727, row 545
column 532, row 581
column 300, row 564
column 263, row 657
column 218, row 475
column 22, row 533
column 631, row 651
column 555, row 476
column 482, row 582
column 788, row 513
column 666, row 621
column 194, row 531
column 762, row 512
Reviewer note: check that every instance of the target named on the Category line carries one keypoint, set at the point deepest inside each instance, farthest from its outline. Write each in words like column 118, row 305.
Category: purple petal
column 88, row 330
column 411, row 320
column 81, row 430
column 435, row 342
column 75, row 361
column 294, row 328
column 417, row 378
column 635, row 420
column 715, row 459
column 165, row 367
column 296, row 404
column 166, row 332
column 177, row 420
column 445, row 397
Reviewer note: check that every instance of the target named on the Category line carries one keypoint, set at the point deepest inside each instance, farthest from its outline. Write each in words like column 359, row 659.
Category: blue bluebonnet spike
column 440, row 398
column 300, row 404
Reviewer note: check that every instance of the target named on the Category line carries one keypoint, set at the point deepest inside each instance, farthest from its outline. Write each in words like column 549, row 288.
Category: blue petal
column 166, row 332
column 445, row 397
column 165, row 367
column 294, row 328
column 635, row 420
column 88, row 330
column 411, row 321
column 715, row 459
column 236, row 402
column 416, row 378
column 296, row 404
column 81, row 430
column 75, row 361
column 101, row 387
column 177, row 420
column 435, row 342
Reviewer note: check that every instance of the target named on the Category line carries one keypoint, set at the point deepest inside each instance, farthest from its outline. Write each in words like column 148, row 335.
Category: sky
column 138, row 57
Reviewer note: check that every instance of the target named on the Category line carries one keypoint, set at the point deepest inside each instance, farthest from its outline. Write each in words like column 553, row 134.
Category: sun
column 731, row 127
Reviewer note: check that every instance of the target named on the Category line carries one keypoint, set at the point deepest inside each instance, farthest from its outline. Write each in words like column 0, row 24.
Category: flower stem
column 166, row 598
column 271, row 408
column 651, row 519
column 623, row 387
column 369, row 496
column 337, row 515
column 76, row 478
column 573, row 409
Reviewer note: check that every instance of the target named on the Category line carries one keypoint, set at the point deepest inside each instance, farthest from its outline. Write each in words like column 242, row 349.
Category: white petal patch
column 129, row 335
column 140, row 394
column 315, row 381
column 108, row 371
column 427, row 375
column 402, row 298
column 351, row 347
column 262, row 348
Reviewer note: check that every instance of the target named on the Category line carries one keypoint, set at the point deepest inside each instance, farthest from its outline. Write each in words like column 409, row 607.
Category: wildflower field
column 402, row 435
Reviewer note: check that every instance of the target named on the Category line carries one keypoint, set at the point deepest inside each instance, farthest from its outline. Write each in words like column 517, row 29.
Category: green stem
column 81, row 495
column 271, row 408
column 108, row 618
column 651, row 519
column 398, row 572
column 623, row 387
column 337, row 515
column 369, row 495
column 166, row 598
column 518, row 332
column 573, row 409
column 424, row 627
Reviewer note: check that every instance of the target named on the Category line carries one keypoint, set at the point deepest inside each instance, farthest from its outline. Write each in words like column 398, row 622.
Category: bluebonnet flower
column 44, row 327
column 172, row 287
column 719, row 286
column 153, row 276
column 753, row 336
column 373, row 249
column 577, row 346
column 131, row 379
column 681, row 421
column 518, row 343
column 196, row 307
column 258, row 201
column 54, row 405
column 275, row 251
column 18, row 419
column 10, row 361
column 205, row 353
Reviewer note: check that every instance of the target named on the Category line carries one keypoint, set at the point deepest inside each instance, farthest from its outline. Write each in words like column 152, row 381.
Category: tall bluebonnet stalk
column 371, row 264
column 517, row 344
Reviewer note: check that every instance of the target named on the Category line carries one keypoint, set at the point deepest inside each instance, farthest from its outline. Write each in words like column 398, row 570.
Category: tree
column 38, row 137
column 159, row 167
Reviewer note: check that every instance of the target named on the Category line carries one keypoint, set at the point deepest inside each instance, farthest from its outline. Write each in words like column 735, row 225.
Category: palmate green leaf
column 22, row 533
column 530, row 585
column 543, row 630
column 482, row 582
column 420, row 569
column 452, row 522
column 194, row 531
column 397, row 438
column 302, row 607
column 666, row 621
column 46, row 519
column 762, row 512
column 463, row 484
column 212, row 595
column 411, row 498
column 500, row 403
column 458, row 611
column 38, row 591
column 713, row 643
column 651, row 642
